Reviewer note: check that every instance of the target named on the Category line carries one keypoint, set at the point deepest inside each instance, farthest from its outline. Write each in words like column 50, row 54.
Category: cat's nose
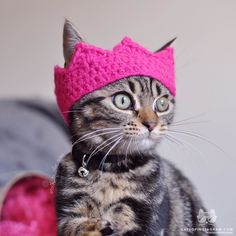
column 150, row 125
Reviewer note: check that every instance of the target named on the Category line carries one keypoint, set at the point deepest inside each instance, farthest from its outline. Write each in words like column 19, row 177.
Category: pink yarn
column 92, row 68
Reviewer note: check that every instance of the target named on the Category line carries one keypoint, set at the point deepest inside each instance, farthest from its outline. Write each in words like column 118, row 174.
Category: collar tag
column 82, row 171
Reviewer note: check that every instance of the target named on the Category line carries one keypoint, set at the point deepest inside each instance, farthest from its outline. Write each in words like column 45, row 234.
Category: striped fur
column 137, row 194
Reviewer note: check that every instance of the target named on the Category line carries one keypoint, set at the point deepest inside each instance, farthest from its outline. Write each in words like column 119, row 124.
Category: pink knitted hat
column 92, row 68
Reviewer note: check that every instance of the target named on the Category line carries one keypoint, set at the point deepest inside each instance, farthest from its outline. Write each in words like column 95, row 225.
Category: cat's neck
column 111, row 162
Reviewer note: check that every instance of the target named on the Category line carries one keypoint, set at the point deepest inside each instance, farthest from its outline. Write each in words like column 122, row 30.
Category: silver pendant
column 83, row 172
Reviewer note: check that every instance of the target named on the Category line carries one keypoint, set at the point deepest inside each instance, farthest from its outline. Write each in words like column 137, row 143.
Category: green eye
column 122, row 101
column 161, row 104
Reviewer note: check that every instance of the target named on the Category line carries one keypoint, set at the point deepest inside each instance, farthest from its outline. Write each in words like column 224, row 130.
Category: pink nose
column 150, row 125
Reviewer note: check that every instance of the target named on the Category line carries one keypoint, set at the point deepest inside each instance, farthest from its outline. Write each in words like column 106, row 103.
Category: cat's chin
column 148, row 143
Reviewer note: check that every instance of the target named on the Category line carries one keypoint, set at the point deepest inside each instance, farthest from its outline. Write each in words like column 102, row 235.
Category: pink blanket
column 28, row 208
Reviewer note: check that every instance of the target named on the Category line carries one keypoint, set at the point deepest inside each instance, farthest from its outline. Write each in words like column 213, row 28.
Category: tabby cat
column 123, row 187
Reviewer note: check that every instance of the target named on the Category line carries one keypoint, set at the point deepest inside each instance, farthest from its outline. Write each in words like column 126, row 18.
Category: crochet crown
column 92, row 68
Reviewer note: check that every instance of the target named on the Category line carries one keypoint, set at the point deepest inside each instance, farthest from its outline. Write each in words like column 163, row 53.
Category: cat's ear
column 168, row 44
column 70, row 39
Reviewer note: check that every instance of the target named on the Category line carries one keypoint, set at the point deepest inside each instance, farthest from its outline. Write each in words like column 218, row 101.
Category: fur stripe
column 131, row 86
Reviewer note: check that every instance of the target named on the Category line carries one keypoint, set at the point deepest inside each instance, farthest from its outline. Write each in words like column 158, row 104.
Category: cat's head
column 127, row 116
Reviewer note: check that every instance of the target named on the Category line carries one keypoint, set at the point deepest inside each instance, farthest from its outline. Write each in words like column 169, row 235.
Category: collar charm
column 82, row 171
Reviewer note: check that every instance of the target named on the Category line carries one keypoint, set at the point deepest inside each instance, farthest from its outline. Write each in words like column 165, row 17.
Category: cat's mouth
column 144, row 142
column 153, row 136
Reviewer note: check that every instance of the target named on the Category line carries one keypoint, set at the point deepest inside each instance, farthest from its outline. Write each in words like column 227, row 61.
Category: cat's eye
column 161, row 104
column 122, row 101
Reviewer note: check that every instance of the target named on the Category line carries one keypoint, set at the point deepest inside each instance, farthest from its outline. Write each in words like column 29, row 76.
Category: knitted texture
column 92, row 68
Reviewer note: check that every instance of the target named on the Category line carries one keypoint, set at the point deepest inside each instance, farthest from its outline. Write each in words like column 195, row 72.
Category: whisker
column 189, row 123
column 99, row 130
column 190, row 118
column 104, row 158
column 172, row 139
column 196, row 135
column 98, row 149
column 137, row 146
column 124, row 143
column 93, row 136
column 185, row 143
column 126, row 153
column 99, row 134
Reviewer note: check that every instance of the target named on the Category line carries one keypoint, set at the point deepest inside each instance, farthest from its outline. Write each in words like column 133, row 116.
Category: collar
column 95, row 162
column 113, row 163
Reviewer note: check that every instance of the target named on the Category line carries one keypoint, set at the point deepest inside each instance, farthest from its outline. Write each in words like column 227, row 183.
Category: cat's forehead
column 139, row 85
column 141, row 88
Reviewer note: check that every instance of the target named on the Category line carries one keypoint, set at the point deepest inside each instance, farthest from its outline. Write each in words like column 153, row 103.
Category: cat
column 114, row 182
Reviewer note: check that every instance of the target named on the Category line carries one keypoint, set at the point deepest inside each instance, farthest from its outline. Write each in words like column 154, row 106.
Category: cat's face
column 127, row 116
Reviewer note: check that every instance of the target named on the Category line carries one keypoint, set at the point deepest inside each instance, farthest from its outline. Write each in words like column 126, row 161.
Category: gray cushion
column 32, row 138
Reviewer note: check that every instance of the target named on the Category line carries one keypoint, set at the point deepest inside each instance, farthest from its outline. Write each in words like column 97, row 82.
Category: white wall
column 30, row 45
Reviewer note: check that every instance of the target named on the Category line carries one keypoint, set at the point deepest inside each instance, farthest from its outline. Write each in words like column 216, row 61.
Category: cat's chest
column 107, row 188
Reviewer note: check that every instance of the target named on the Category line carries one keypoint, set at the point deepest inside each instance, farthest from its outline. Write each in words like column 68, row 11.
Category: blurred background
column 205, row 52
